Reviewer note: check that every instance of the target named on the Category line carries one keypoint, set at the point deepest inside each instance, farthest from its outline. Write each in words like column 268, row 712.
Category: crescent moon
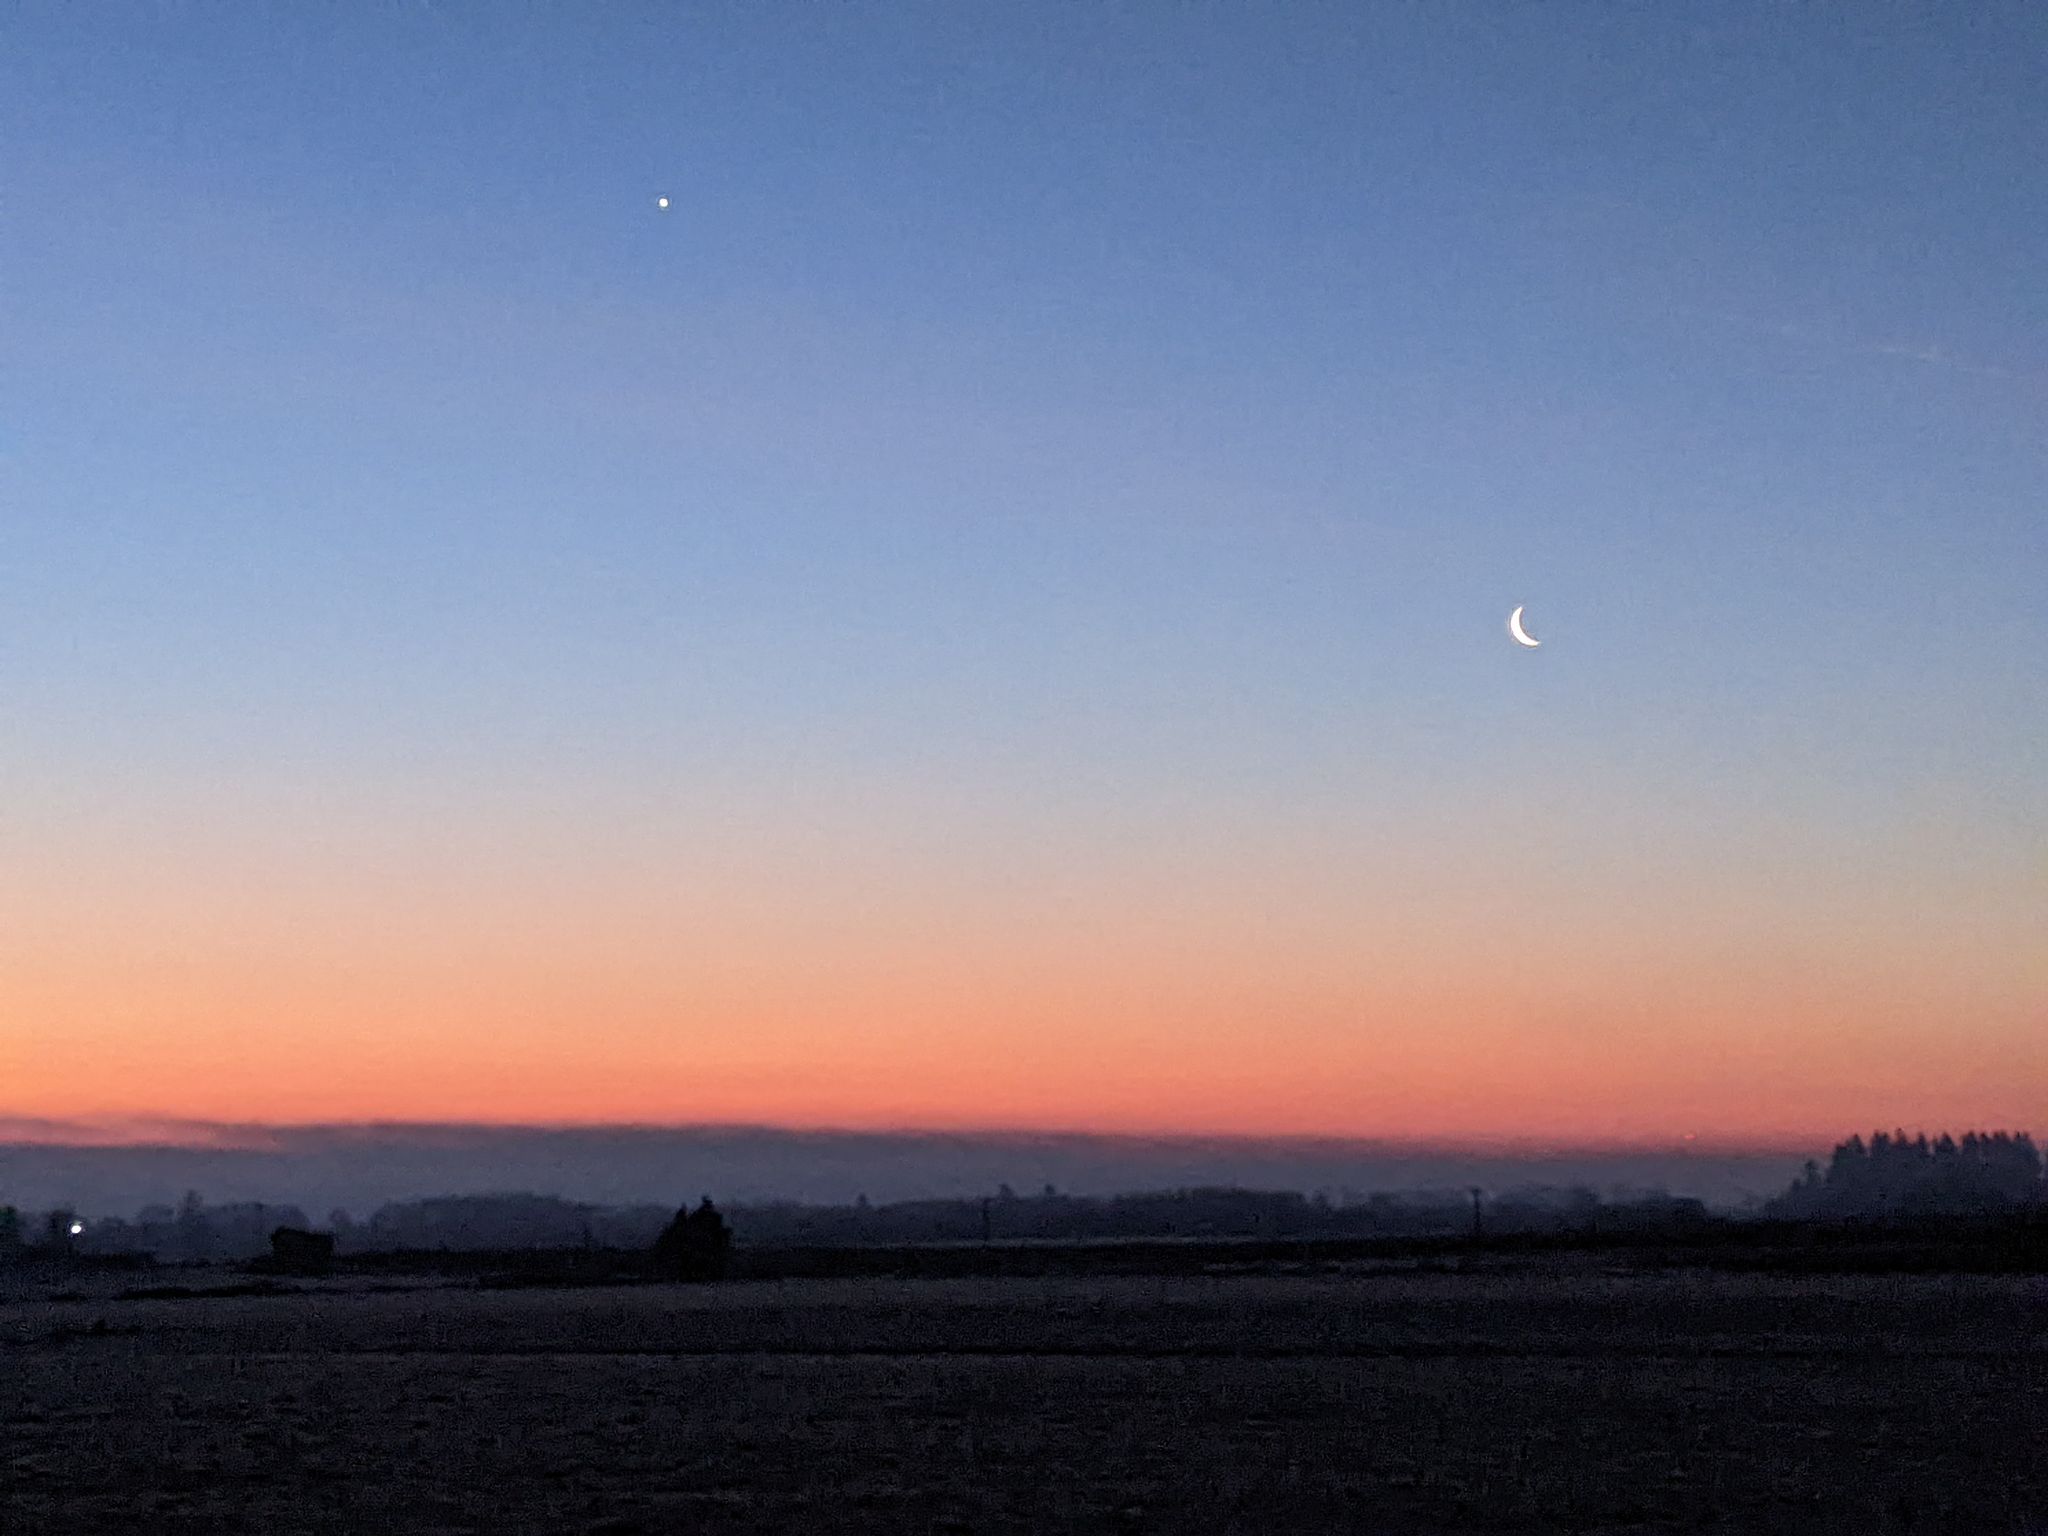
column 1522, row 636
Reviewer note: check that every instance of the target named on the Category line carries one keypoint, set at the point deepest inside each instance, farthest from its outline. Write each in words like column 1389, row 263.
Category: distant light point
column 661, row 202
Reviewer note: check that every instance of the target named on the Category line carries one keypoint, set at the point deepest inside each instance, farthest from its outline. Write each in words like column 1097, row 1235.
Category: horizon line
column 182, row 1133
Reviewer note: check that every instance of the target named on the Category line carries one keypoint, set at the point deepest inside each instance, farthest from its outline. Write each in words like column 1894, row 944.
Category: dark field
column 1545, row 1400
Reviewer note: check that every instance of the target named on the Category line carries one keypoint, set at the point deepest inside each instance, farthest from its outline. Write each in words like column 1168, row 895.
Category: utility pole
column 1478, row 1229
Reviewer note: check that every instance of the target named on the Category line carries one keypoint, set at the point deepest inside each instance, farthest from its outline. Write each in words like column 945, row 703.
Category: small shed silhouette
column 303, row 1253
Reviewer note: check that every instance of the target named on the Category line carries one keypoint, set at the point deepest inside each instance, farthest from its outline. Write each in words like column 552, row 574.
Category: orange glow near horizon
column 1255, row 990
column 1164, row 1036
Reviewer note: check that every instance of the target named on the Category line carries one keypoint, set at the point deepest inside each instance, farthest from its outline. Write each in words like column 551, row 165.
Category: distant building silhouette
column 302, row 1252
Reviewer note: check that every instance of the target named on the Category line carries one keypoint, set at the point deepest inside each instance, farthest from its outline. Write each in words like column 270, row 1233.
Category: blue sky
column 1039, row 423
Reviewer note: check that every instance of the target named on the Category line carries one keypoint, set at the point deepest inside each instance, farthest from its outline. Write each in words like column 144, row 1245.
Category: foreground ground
column 1541, row 1400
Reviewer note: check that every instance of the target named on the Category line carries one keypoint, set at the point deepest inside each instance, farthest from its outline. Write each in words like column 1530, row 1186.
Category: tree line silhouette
column 1888, row 1177
column 1897, row 1177
column 195, row 1231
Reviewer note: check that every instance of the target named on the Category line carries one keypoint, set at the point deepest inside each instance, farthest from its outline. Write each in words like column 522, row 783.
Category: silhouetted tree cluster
column 474, row 1223
column 1204, row 1213
column 51, row 1235
column 697, row 1240
column 696, row 1245
column 1897, row 1177
column 195, row 1232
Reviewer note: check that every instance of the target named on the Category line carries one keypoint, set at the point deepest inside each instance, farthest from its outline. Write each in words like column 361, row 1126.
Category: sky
column 989, row 610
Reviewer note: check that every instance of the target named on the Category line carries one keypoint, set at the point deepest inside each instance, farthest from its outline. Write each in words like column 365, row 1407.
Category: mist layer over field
column 359, row 1167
